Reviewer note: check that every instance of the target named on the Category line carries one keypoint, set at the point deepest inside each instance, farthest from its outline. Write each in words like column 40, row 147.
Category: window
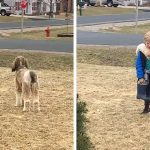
column 44, row 7
column 34, row 6
column 17, row 5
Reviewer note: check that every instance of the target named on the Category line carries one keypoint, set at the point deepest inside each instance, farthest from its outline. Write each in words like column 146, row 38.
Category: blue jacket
column 140, row 65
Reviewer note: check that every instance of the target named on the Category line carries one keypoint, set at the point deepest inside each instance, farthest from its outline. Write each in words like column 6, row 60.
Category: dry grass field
column 109, row 90
column 96, row 11
column 39, row 34
column 10, row 19
column 50, row 129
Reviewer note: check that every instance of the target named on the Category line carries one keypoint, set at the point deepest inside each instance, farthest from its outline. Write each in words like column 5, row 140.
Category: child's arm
column 139, row 67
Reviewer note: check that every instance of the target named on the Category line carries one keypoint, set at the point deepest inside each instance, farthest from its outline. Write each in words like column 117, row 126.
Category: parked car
column 5, row 9
column 109, row 3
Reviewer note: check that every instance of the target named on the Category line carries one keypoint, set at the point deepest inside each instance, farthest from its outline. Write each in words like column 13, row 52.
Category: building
column 66, row 5
column 37, row 7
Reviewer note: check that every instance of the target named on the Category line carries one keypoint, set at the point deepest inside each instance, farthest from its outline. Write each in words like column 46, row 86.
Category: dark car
column 81, row 3
column 109, row 3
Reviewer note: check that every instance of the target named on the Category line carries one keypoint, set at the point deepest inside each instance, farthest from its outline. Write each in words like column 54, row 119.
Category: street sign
column 23, row 4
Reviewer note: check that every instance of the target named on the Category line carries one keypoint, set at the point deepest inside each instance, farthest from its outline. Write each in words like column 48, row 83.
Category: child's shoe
column 145, row 111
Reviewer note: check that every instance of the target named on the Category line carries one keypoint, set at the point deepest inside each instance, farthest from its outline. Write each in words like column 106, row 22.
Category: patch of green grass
column 96, row 11
column 39, row 60
column 83, row 141
column 141, row 29
column 41, row 35
column 63, row 16
column 111, row 56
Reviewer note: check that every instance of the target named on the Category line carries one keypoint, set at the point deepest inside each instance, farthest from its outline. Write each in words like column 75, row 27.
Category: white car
column 5, row 10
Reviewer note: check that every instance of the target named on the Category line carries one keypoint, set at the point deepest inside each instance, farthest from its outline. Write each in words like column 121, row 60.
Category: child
column 143, row 65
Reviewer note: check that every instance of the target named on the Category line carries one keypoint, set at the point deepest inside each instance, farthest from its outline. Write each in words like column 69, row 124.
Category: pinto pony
column 27, row 85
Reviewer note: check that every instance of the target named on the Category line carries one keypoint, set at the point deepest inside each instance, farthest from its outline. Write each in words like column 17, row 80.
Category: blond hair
column 147, row 37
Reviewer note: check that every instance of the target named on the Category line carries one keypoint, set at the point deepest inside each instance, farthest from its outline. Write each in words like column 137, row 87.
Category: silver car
column 5, row 10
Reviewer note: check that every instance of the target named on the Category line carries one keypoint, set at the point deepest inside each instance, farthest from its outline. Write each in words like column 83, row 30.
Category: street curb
column 99, row 23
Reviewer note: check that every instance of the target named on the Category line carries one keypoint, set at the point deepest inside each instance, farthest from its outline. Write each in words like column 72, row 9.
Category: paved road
column 88, row 20
column 100, row 38
column 51, row 46
column 44, row 45
column 103, row 38
column 35, row 23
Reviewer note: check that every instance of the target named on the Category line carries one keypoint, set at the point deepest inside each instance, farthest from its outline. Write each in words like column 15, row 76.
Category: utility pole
column 136, row 26
column 22, row 21
column 50, row 7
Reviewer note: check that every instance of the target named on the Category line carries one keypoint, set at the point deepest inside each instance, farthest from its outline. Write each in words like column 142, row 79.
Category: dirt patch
column 113, row 112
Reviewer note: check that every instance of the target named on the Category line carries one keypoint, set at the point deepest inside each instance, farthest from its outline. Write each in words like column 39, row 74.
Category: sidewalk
column 42, row 17
column 115, row 26
column 31, row 17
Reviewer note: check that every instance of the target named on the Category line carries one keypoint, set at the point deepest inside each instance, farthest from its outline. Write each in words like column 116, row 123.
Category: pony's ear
column 15, row 64
column 13, row 67
column 26, row 63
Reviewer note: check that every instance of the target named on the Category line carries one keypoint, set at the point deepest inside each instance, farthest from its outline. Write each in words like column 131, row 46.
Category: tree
column 98, row 3
column 39, row 3
column 50, row 5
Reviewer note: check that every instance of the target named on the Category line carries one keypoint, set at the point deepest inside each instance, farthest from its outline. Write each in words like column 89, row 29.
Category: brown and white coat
column 27, row 86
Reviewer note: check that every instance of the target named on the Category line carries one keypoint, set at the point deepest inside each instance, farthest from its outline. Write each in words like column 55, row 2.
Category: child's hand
column 140, row 81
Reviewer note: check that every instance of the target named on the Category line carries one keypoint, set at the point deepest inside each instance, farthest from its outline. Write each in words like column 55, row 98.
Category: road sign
column 23, row 4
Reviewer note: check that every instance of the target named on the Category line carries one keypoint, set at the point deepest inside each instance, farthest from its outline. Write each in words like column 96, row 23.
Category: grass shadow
column 83, row 141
